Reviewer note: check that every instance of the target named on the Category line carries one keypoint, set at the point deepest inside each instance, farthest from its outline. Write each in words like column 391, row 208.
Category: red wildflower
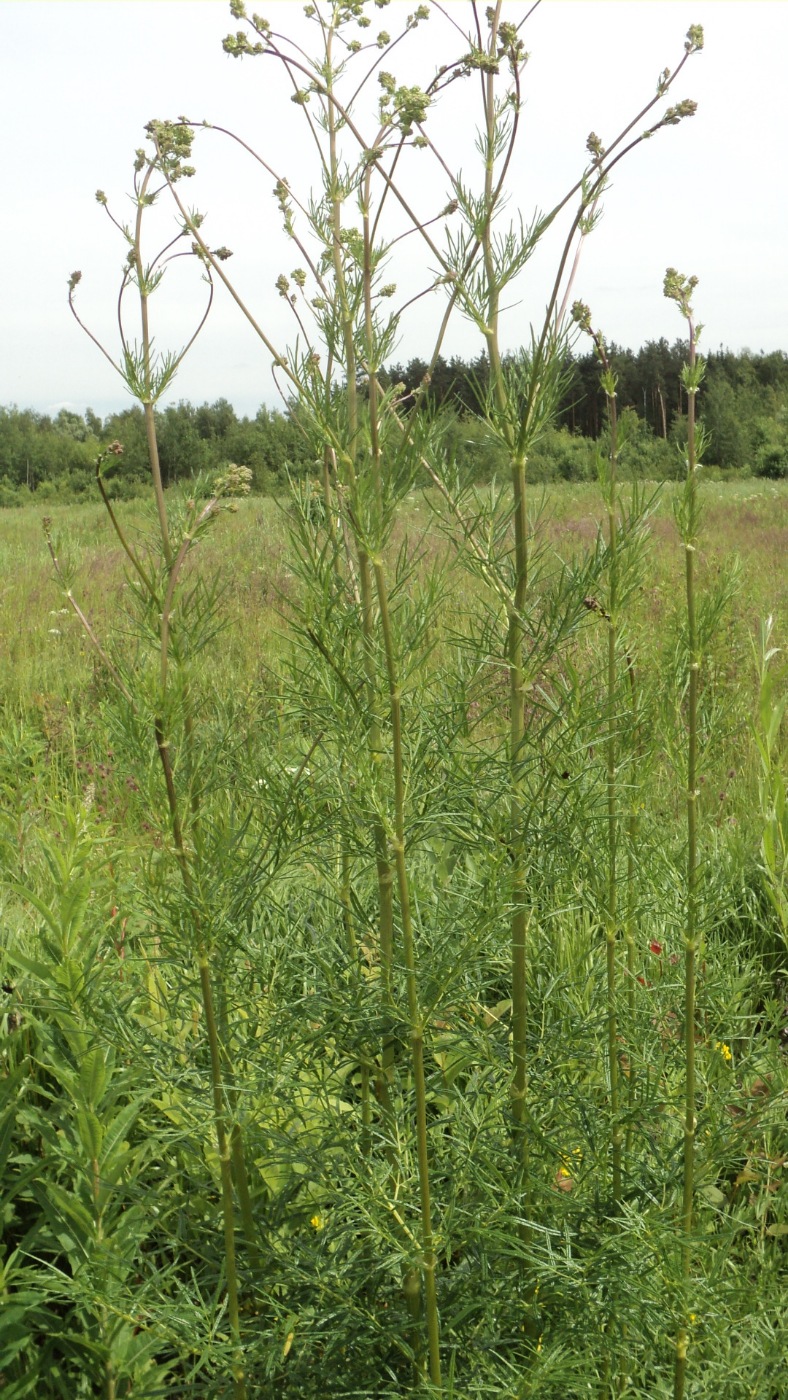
column 655, row 948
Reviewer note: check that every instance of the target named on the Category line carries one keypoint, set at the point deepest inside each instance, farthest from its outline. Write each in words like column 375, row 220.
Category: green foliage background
column 743, row 405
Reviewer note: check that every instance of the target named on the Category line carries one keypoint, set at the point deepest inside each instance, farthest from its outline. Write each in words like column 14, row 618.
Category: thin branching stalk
column 115, row 449
column 237, row 1153
column 345, row 885
column 147, row 380
column 680, row 290
column 415, row 1018
column 633, row 826
column 385, row 875
column 611, row 913
column 582, row 317
column 416, row 1023
column 228, row 1132
column 515, row 645
column 221, row 1122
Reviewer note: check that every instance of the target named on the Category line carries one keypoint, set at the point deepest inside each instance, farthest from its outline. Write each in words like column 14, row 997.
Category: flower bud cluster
column 594, row 146
column 234, row 481
column 679, row 289
column 686, row 108
column 239, row 45
column 581, row 315
column 282, row 195
column 173, row 142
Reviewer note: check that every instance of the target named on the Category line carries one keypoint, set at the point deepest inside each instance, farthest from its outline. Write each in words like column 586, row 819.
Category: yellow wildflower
column 569, row 1160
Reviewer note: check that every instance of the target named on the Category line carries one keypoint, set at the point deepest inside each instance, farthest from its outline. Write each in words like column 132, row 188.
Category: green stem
column 146, row 581
column 214, row 1044
column 237, row 1152
column 225, row 1167
column 427, row 1272
column 515, row 646
column 612, row 748
column 690, row 961
column 385, row 875
column 611, row 912
column 345, row 879
column 629, row 928
column 217, row 1084
column 416, row 1026
column 147, row 403
column 519, row 926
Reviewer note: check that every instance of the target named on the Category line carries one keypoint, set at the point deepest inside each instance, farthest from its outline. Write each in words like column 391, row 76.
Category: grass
column 46, row 653
column 328, row 1067
column 111, row 1268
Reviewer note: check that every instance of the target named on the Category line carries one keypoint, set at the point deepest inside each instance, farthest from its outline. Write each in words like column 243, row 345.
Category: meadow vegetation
column 395, row 872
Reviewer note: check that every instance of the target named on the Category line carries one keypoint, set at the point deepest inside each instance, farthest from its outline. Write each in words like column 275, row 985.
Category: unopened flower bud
column 594, row 146
column 581, row 315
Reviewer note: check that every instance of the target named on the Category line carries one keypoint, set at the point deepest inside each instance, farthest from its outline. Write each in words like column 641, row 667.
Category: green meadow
column 394, row 884
column 113, row 1263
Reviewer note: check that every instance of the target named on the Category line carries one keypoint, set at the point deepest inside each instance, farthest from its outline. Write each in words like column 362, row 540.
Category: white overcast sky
column 79, row 79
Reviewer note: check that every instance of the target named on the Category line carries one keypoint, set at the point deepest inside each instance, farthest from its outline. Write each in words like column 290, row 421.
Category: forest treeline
column 743, row 406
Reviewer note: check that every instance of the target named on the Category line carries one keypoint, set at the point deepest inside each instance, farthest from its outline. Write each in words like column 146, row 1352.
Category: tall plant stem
column 515, row 642
column 237, row 1153
column 217, row 1078
column 690, row 959
column 611, row 927
column 385, row 875
column 225, row 1168
column 223, row 1129
column 148, row 400
column 582, row 316
column 519, row 927
column 629, row 926
column 345, row 886
column 217, row 1082
column 159, row 584
column 416, row 1024
column 680, row 290
column 611, row 912
column 689, row 963
column 235, row 1134
column 415, row 1019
